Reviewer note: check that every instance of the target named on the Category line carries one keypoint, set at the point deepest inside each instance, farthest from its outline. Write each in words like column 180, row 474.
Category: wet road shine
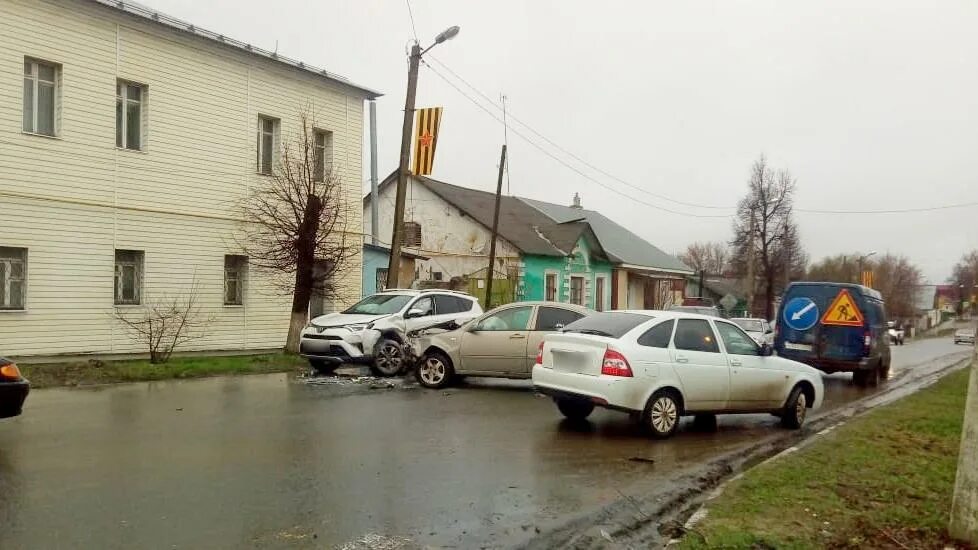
column 271, row 462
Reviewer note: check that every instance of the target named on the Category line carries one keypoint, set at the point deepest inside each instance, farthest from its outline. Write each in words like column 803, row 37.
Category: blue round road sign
column 801, row 313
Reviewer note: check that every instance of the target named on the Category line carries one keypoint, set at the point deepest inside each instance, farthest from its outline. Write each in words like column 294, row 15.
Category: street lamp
column 861, row 258
column 394, row 267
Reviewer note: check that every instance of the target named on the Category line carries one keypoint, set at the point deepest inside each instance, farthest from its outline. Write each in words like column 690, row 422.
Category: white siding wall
column 455, row 243
column 74, row 199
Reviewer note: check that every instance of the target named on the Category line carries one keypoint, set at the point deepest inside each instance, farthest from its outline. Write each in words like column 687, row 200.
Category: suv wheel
column 388, row 358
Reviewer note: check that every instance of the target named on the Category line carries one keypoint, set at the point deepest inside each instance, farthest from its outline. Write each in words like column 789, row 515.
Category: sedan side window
column 515, row 318
column 555, row 318
column 658, row 336
column 695, row 335
column 736, row 341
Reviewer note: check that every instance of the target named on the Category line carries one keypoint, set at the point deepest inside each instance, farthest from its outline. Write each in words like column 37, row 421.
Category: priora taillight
column 615, row 364
column 540, row 354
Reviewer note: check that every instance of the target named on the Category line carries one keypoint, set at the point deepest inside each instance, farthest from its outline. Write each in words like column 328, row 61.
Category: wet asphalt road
column 269, row 462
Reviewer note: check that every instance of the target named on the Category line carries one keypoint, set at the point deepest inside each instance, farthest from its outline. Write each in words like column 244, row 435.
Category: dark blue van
column 849, row 337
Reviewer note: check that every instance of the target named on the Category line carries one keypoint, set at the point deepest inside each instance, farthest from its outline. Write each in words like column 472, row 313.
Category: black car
column 13, row 389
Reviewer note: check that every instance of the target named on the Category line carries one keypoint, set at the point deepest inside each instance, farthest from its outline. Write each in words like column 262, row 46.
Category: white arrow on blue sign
column 801, row 313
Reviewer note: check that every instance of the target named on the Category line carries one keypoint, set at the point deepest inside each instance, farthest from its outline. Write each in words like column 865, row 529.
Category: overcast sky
column 870, row 105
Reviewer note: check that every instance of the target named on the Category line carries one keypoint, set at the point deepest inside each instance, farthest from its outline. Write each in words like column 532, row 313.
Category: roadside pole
column 964, row 506
column 495, row 229
column 394, row 267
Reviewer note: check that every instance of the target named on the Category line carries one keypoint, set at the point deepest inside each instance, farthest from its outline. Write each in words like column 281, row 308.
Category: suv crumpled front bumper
column 337, row 344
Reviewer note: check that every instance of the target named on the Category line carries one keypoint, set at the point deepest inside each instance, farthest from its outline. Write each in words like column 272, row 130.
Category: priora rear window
column 613, row 324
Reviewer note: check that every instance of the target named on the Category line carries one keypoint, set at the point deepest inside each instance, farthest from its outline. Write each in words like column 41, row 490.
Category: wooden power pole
column 397, row 238
column 495, row 229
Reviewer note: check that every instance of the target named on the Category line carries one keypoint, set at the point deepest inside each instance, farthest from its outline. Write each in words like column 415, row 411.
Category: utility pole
column 506, row 141
column 964, row 505
column 397, row 238
column 495, row 229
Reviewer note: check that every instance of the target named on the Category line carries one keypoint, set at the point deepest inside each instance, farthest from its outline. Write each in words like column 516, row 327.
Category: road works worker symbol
column 800, row 313
column 843, row 311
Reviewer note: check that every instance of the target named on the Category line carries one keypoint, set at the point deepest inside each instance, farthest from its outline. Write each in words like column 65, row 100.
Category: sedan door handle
column 517, row 337
column 734, row 363
column 681, row 359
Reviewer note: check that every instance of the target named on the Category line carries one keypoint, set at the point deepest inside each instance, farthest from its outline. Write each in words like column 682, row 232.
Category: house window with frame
column 267, row 139
column 128, row 277
column 130, row 101
column 381, row 279
column 599, row 294
column 235, row 275
column 322, row 148
column 13, row 278
column 40, row 97
column 577, row 290
column 550, row 292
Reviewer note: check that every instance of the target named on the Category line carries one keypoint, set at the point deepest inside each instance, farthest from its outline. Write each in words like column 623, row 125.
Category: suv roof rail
column 445, row 290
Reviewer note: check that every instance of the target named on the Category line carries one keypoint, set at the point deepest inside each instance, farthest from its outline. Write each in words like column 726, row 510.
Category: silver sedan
column 501, row 343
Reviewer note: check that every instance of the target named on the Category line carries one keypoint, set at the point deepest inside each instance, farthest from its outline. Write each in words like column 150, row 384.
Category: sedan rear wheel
column 662, row 414
column 575, row 409
column 434, row 371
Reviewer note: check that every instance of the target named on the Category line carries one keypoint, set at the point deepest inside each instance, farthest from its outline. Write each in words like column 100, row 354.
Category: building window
column 577, row 290
column 551, row 287
column 40, row 97
column 322, row 154
column 412, row 234
column 381, row 281
column 128, row 277
column 267, row 132
column 599, row 294
column 235, row 273
column 13, row 278
column 437, row 275
column 130, row 100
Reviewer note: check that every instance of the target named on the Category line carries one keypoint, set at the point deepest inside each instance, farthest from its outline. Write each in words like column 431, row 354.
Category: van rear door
column 828, row 342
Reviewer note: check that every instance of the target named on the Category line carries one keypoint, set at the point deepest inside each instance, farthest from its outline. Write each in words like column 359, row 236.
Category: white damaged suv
column 374, row 330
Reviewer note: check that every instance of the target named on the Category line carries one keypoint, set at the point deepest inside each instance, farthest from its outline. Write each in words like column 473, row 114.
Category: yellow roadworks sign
column 843, row 311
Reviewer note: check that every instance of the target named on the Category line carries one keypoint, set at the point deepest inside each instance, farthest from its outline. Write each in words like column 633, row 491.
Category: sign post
column 964, row 506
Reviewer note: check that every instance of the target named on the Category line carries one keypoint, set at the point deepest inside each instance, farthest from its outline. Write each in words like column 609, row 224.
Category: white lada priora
column 662, row 365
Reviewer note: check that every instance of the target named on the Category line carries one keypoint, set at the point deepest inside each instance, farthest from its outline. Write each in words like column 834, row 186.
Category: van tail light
column 540, row 354
column 10, row 372
column 867, row 342
column 615, row 364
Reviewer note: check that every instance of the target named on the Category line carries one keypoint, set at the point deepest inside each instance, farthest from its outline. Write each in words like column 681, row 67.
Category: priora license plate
column 798, row 347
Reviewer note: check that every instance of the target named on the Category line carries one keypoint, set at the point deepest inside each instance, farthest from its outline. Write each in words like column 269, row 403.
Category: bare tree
column 166, row 323
column 765, row 235
column 296, row 224
column 964, row 276
column 711, row 257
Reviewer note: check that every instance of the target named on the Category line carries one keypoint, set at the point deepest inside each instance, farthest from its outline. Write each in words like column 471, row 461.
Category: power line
column 414, row 29
column 569, row 153
column 510, row 116
column 562, row 161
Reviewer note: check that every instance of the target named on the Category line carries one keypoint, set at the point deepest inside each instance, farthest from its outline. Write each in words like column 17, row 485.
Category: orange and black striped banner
column 425, row 140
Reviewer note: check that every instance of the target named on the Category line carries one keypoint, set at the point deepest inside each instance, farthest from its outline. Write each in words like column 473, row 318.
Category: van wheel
column 575, row 409
column 867, row 378
column 662, row 414
column 795, row 409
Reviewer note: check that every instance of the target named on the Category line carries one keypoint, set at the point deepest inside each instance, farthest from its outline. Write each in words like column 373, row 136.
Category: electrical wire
column 510, row 116
column 562, row 161
column 414, row 29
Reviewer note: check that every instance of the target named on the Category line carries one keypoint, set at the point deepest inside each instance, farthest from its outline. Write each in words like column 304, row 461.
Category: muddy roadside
column 652, row 518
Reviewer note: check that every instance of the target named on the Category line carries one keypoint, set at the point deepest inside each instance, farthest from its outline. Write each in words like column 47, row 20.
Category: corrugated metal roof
column 148, row 14
column 622, row 245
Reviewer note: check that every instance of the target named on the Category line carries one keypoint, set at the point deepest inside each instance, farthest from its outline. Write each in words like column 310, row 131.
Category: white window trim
column 56, row 84
column 26, row 280
column 117, row 280
column 327, row 149
column 276, row 124
column 143, row 111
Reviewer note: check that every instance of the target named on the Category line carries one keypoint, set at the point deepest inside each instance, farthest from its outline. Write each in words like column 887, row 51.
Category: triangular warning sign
column 843, row 311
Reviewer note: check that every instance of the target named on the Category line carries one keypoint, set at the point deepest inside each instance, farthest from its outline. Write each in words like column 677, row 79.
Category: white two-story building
column 127, row 140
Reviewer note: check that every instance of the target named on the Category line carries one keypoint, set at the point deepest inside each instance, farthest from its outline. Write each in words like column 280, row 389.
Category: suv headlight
column 356, row 328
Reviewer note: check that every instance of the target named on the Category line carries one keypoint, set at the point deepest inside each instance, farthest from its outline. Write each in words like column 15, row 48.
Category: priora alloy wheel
column 434, row 371
column 662, row 415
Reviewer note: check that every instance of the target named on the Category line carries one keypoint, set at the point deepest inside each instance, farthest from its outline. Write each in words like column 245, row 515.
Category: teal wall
column 372, row 260
column 580, row 263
